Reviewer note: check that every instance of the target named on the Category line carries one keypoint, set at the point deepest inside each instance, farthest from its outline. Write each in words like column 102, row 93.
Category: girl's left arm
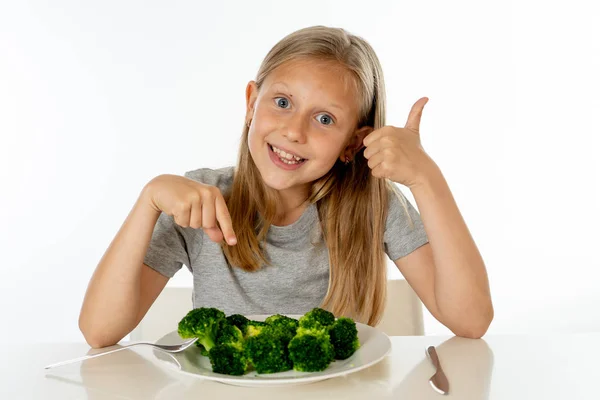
column 448, row 273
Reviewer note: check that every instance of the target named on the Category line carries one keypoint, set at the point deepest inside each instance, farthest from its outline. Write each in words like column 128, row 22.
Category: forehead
column 316, row 80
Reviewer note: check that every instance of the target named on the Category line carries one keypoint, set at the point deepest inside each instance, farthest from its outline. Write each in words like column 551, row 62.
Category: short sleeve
column 167, row 250
column 401, row 237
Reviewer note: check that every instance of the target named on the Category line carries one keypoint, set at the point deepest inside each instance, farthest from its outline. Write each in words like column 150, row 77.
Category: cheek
column 264, row 121
column 328, row 147
column 254, row 142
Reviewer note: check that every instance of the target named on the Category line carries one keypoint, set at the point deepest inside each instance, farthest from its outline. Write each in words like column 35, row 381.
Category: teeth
column 284, row 155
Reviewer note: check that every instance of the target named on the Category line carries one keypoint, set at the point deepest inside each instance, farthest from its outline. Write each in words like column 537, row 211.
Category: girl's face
column 303, row 120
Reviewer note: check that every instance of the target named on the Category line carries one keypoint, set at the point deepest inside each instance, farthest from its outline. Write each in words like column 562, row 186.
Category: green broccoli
column 278, row 319
column 256, row 323
column 228, row 355
column 311, row 350
column 317, row 318
column 284, row 326
column 203, row 351
column 344, row 338
column 240, row 321
column 227, row 359
column 253, row 328
column 267, row 352
column 201, row 323
column 229, row 334
column 235, row 344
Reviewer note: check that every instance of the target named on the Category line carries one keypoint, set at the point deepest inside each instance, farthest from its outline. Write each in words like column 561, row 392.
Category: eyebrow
column 333, row 105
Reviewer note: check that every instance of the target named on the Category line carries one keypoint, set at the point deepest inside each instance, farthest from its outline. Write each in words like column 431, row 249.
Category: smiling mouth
column 285, row 157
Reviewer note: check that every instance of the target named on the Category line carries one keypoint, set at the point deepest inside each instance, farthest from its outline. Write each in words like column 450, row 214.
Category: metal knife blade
column 438, row 381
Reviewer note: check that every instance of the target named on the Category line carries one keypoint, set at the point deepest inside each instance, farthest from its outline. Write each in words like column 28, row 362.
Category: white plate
column 374, row 346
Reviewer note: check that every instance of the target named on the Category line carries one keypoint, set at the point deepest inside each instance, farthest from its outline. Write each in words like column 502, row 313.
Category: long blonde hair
column 357, row 262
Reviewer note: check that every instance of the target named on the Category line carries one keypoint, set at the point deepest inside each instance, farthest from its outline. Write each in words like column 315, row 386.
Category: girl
column 305, row 217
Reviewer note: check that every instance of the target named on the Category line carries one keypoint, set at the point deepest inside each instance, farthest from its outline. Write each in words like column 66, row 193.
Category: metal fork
column 169, row 348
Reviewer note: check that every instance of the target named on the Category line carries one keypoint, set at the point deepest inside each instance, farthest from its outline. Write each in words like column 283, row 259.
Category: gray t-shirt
column 298, row 279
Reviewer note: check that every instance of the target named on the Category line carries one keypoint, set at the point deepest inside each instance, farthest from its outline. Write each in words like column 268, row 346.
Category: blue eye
column 325, row 119
column 282, row 102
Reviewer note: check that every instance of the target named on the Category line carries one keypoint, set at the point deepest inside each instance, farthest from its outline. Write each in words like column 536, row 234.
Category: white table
column 494, row 367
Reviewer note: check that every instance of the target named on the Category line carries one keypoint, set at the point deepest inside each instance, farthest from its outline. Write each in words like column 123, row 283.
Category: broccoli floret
column 311, row 350
column 317, row 318
column 267, row 352
column 253, row 328
column 228, row 359
column 229, row 334
column 281, row 320
column 203, row 351
column 344, row 338
column 256, row 323
column 240, row 321
column 227, row 356
column 202, row 323
column 225, row 333
column 284, row 326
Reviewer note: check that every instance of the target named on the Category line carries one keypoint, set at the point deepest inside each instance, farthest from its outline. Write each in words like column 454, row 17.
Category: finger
column 196, row 214
column 209, row 222
column 214, row 234
column 225, row 221
column 376, row 160
column 414, row 117
column 182, row 215
column 379, row 171
column 373, row 149
column 373, row 136
column 208, row 212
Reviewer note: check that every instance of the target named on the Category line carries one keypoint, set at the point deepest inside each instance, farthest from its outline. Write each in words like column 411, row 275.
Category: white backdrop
column 97, row 99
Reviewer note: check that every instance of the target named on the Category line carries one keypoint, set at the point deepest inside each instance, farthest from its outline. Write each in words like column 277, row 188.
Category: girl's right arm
column 112, row 301
column 123, row 288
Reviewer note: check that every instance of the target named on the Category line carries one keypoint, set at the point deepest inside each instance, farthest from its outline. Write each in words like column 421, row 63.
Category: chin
column 279, row 182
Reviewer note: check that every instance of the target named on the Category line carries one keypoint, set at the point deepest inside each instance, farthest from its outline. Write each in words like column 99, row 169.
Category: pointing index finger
column 225, row 223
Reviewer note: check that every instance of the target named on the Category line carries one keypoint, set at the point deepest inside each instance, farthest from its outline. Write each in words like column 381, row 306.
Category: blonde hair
column 357, row 263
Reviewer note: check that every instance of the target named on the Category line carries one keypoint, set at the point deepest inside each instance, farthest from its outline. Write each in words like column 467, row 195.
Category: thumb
column 414, row 117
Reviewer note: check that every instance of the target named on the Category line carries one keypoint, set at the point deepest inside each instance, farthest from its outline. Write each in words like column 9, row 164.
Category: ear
column 251, row 95
column 355, row 143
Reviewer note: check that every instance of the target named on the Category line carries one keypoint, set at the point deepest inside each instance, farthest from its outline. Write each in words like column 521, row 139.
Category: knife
column 438, row 381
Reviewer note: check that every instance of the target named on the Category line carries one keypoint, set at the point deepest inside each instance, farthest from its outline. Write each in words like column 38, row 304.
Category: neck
column 291, row 206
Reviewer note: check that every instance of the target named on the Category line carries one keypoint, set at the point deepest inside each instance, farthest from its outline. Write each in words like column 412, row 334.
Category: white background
column 96, row 98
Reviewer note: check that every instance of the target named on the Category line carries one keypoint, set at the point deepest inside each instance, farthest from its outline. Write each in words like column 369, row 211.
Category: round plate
column 374, row 346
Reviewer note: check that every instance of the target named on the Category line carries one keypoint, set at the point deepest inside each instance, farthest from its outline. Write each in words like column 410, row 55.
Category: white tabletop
column 494, row 367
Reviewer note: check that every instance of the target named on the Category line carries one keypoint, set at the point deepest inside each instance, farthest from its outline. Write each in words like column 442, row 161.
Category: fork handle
column 91, row 356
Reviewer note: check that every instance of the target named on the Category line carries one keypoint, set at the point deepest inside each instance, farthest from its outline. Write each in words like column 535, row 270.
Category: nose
column 295, row 128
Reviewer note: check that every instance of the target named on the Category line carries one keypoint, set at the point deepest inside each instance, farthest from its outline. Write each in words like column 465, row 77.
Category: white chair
column 403, row 314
